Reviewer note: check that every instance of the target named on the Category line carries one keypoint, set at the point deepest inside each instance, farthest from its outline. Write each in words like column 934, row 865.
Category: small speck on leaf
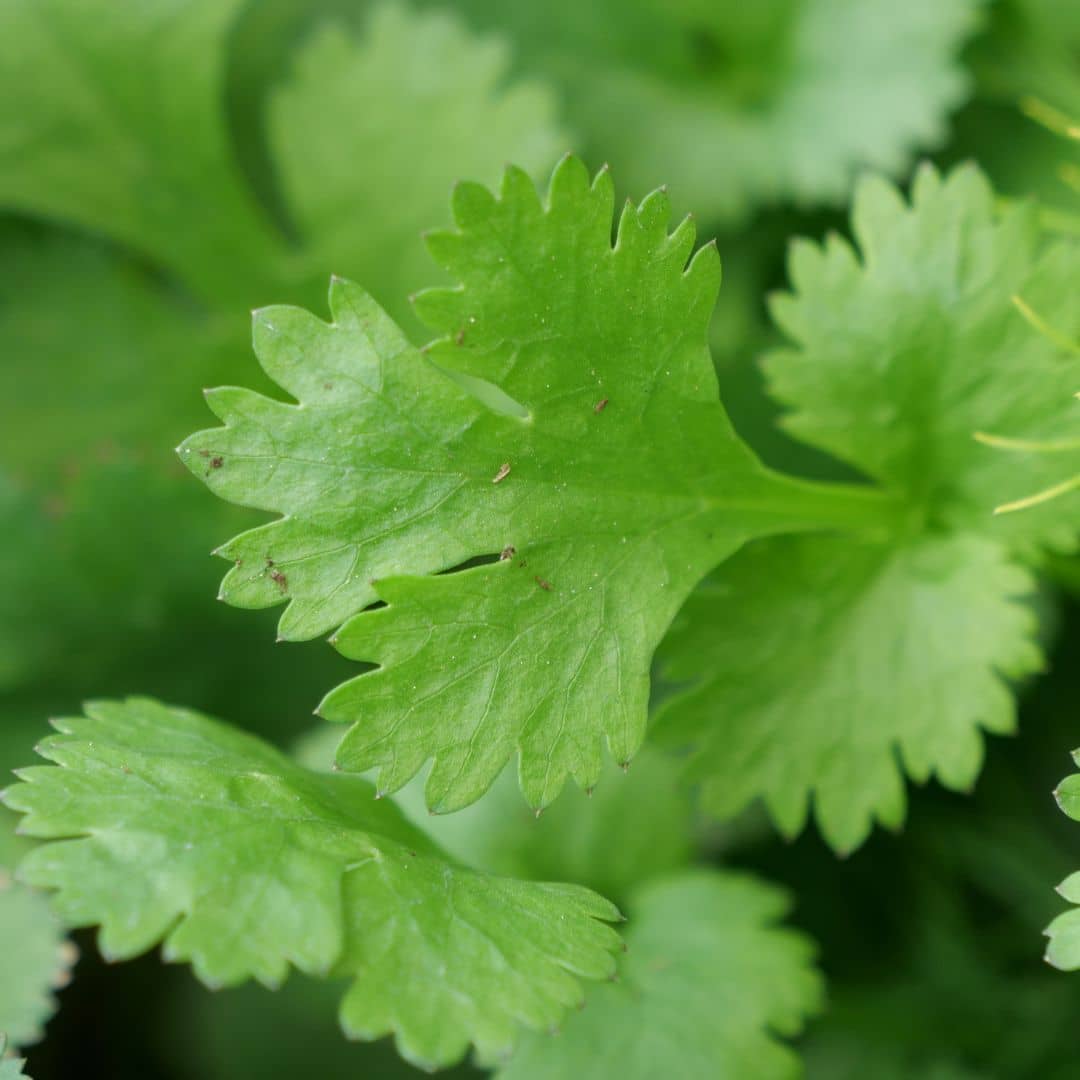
column 600, row 406
column 507, row 552
column 545, row 585
column 281, row 580
column 502, row 474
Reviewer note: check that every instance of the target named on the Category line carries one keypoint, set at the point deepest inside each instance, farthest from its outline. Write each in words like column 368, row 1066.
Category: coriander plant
column 655, row 582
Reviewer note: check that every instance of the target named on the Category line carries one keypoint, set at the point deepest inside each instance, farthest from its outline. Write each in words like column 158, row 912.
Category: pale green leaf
column 592, row 464
column 36, row 958
column 740, row 104
column 168, row 826
column 823, row 669
column 827, row 667
column 708, row 988
column 903, row 352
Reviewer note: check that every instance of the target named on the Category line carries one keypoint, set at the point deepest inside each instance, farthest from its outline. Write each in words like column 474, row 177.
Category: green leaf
column 444, row 112
column 821, row 666
column 591, row 467
column 10, row 1068
column 708, row 987
column 36, row 958
column 169, row 826
column 899, row 357
column 737, row 104
column 104, row 94
column 824, row 667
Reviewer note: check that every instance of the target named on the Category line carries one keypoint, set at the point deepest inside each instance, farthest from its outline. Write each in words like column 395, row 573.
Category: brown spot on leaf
column 507, row 552
column 459, row 337
column 216, row 463
column 545, row 585
column 502, row 474
column 281, row 580
column 600, row 406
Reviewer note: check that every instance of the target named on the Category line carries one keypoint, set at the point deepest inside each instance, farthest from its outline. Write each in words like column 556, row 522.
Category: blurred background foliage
column 167, row 164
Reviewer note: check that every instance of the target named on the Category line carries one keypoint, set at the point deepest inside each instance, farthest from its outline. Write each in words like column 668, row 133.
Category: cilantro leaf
column 737, row 104
column 114, row 88
column 36, row 956
column 567, row 427
column 815, row 660
column 1063, row 949
column 445, row 111
column 270, row 865
column 708, row 984
column 900, row 357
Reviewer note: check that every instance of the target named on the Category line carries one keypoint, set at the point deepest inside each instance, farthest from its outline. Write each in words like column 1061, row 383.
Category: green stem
column 816, row 506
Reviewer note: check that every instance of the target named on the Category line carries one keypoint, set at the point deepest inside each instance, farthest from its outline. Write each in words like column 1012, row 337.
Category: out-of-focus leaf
column 119, row 129
column 737, row 104
column 372, row 131
column 709, row 987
